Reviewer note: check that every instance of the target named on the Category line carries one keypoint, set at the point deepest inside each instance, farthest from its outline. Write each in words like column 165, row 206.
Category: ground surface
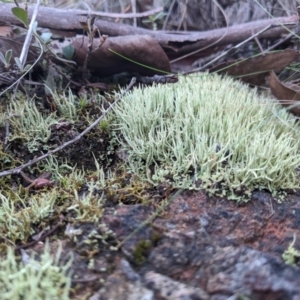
column 198, row 247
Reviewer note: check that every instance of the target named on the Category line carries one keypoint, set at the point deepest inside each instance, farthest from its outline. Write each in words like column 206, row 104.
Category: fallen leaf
column 6, row 31
column 141, row 49
column 287, row 96
column 254, row 70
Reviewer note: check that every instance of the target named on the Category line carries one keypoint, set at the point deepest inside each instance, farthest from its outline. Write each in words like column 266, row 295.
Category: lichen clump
column 31, row 279
column 210, row 132
column 291, row 256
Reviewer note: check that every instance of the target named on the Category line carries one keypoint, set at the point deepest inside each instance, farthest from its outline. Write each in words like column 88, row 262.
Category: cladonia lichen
column 29, row 125
column 31, row 279
column 209, row 132
column 291, row 256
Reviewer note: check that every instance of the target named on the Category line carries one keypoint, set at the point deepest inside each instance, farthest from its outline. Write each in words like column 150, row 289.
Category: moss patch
column 209, row 132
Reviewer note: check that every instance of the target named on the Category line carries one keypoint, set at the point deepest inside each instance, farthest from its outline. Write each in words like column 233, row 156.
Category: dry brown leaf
column 287, row 96
column 6, row 31
column 259, row 66
column 142, row 49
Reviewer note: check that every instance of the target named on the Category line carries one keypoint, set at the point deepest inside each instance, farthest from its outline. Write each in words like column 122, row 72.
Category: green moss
column 141, row 251
column 209, row 132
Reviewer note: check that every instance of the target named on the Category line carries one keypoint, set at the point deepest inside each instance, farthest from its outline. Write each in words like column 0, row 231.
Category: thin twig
column 78, row 137
column 279, row 43
column 6, row 132
column 27, row 42
column 258, row 43
column 133, row 7
column 121, row 16
column 24, row 74
column 168, row 15
column 54, row 228
column 90, row 32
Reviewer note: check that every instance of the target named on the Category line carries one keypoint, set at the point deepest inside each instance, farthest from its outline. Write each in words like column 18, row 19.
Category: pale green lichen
column 30, row 279
column 21, row 209
column 86, row 206
column 18, row 212
column 67, row 105
column 212, row 130
column 32, row 127
column 28, row 124
column 291, row 256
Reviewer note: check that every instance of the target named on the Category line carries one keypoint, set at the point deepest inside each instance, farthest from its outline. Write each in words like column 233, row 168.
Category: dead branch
column 177, row 43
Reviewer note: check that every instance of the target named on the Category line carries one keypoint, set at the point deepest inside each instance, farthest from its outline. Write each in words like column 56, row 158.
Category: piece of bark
column 175, row 44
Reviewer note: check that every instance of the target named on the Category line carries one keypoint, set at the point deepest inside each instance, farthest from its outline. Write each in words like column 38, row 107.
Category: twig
column 34, row 161
column 24, row 74
column 133, row 7
column 121, row 16
column 91, row 33
column 6, row 132
column 168, row 15
column 55, row 227
column 259, row 44
column 27, row 42
column 279, row 43
column 25, row 49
